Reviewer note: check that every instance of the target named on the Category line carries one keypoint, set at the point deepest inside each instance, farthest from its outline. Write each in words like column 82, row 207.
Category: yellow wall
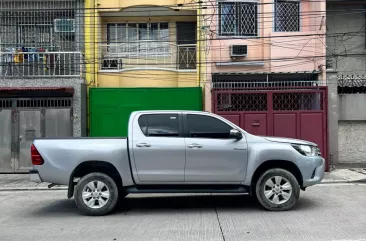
column 95, row 32
column 114, row 5
column 147, row 78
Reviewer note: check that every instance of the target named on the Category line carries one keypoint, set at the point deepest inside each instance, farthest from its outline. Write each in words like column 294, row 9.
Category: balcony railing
column 40, row 64
column 147, row 55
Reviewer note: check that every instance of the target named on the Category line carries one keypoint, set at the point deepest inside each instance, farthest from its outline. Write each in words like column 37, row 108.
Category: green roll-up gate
column 110, row 108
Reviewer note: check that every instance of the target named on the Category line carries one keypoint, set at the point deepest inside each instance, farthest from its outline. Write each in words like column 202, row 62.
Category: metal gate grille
column 22, row 120
column 242, row 102
column 46, row 103
column 259, row 81
column 298, row 101
column 299, row 113
column 36, row 103
column 281, row 101
column 5, row 103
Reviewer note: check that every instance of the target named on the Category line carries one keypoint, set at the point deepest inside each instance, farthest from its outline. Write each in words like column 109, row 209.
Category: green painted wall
column 110, row 108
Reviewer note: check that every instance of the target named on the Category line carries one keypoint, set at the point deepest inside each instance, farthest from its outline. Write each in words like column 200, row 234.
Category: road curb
column 344, row 181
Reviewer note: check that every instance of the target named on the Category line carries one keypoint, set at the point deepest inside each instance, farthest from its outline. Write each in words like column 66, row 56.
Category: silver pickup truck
column 178, row 152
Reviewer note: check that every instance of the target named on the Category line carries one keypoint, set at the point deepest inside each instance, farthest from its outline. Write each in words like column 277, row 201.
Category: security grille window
column 238, row 19
column 287, row 16
column 138, row 37
column 32, row 36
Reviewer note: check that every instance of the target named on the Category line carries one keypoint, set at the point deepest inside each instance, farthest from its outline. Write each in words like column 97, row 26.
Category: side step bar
column 188, row 189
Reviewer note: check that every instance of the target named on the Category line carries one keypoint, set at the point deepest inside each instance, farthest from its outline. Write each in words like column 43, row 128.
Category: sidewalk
column 350, row 175
column 20, row 182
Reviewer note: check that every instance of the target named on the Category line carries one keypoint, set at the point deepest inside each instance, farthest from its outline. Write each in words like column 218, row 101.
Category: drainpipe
column 87, row 38
column 199, row 27
column 95, row 44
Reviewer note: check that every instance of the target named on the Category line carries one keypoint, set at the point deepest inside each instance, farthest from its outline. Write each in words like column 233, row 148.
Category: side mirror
column 234, row 133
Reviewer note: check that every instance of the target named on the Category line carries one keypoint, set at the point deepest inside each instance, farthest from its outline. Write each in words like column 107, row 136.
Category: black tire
column 260, row 188
column 113, row 194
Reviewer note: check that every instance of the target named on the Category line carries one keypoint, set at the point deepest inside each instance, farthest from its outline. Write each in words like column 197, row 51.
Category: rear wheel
column 277, row 190
column 96, row 194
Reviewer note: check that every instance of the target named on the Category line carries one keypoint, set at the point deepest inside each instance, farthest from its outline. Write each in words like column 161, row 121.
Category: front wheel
column 277, row 190
column 96, row 194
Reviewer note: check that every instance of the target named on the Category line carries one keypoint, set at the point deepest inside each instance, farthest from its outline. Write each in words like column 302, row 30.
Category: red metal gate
column 291, row 113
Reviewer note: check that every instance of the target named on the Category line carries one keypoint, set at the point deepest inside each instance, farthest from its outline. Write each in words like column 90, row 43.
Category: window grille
column 238, row 19
column 287, row 16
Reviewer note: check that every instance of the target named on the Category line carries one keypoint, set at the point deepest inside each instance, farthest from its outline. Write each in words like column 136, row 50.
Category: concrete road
column 324, row 212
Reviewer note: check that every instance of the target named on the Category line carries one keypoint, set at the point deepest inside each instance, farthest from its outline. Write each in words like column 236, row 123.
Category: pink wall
column 280, row 51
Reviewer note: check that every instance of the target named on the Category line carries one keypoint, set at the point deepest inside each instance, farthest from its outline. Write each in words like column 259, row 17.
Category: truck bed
column 62, row 155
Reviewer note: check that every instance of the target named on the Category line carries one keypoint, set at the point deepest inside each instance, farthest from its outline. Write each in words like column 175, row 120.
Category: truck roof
column 167, row 111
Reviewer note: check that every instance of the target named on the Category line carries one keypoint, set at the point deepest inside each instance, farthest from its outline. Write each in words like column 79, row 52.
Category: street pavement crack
column 218, row 220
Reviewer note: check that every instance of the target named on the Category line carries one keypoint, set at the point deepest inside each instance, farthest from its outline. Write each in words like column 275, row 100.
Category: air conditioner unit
column 238, row 50
column 64, row 25
column 112, row 64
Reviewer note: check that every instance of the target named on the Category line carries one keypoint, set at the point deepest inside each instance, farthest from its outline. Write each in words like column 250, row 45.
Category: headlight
column 307, row 150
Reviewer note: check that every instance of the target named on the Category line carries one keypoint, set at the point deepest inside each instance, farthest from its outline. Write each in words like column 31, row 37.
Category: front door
column 158, row 148
column 211, row 154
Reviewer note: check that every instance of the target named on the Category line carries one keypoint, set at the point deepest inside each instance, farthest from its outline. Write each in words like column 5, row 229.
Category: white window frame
column 236, row 35
column 274, row 17
column 137, row 34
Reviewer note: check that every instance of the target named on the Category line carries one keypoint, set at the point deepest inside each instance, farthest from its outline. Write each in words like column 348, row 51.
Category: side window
column 201, row 126
column 143, row 124
column 162, row 125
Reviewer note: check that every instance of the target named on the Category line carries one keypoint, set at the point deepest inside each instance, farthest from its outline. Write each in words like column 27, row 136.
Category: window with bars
column 238, row 19
column 35, row 36
column 287, row 15
column 138, row 37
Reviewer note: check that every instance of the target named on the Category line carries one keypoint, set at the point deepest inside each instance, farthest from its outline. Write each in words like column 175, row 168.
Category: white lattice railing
column 40, row 64
column 261, row 84
column 147, row 54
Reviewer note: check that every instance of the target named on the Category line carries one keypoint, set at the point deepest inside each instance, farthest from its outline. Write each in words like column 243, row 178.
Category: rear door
column 158, row 147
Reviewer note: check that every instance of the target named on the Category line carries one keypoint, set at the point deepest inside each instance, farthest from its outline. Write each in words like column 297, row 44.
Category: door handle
column 143, row 145
column 194, row 145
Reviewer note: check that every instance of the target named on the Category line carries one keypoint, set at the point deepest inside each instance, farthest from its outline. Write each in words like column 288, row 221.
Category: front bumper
column 34, row 176
column 313, row 171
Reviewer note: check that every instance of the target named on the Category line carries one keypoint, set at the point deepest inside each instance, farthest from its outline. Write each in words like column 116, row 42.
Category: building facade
column 346, row 49
column 276, row 37
column 42, row 86
column 141, row 43
column 266, row 67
